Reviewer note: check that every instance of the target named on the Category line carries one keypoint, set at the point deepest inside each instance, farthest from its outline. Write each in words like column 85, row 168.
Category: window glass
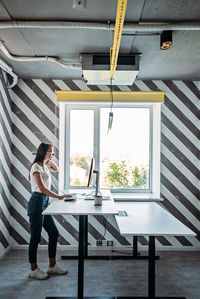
column 81, row 146
column 125, row 150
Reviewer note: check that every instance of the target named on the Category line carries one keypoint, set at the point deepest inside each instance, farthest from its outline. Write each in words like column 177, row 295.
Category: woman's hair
column 40, row 154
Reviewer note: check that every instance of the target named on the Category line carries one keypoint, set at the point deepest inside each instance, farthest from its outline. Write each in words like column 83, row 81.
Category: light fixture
column 166, row 40
column 110, row 121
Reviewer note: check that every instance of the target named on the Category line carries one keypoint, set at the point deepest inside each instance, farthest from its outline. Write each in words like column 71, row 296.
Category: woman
column 40, row 179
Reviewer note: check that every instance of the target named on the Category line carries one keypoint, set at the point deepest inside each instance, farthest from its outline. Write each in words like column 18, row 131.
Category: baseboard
column 107, row 248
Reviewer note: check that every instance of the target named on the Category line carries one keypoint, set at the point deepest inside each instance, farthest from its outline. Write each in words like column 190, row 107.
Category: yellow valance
column 105, row 96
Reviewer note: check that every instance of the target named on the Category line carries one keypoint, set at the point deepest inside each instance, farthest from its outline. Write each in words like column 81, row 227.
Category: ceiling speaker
column 166, row 40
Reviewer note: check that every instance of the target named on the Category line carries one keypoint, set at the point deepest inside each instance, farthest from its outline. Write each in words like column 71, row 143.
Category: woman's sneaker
column 56, row 270
column 38, row 274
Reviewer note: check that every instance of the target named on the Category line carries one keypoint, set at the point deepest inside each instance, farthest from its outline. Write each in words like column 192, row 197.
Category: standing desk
column 150, row 220
column 83, row 208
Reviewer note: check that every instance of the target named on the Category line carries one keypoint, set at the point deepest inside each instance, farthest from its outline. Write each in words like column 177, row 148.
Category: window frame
column 68, row 108
column 154, row 144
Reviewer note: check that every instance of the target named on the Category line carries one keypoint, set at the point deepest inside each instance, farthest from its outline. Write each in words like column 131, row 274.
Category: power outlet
column 104, row 243
column 98, row 242
column 109, row 243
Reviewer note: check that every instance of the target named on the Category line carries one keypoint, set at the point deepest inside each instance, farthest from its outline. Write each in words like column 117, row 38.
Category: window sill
column 139, row 197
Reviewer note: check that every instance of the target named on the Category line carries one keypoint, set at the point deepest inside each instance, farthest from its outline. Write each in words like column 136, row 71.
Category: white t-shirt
column 46, row 177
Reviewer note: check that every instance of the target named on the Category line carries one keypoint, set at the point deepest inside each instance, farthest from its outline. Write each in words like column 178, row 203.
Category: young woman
column 40, row 179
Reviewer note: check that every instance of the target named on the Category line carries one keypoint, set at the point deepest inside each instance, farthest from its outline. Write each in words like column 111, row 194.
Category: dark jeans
column 36, row 205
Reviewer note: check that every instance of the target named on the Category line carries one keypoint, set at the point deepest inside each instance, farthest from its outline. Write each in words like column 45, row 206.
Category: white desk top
column 80, row 207
column 150, row 219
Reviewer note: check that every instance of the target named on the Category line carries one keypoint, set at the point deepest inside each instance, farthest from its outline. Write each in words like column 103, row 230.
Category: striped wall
column 5, row 166
column 36, row 119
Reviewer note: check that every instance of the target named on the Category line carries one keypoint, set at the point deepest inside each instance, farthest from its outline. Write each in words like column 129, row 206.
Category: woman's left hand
column 53, row 167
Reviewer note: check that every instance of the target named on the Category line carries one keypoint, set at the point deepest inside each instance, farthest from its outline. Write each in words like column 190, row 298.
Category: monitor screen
column 90, row 177
column 97, row 183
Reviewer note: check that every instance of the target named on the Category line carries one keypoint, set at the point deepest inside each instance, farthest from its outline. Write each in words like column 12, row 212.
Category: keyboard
column 69, row 198
column 72, row 197
column 74, row 194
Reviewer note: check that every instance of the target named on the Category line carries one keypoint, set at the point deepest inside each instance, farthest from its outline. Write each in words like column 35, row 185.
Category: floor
column 177, row 274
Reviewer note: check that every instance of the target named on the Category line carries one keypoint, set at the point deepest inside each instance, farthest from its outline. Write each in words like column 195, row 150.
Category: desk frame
column 151, row 264
column 135, row 254
column 83, row 254
column 82, row 248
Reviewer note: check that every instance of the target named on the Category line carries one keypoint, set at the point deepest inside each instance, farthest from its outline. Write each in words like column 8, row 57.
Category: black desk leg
column 86, row 235
column 135, row 246
column 151, row 268
column 81, row 257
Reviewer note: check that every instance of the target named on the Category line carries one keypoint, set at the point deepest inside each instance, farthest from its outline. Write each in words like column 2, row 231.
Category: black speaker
column 166, row 40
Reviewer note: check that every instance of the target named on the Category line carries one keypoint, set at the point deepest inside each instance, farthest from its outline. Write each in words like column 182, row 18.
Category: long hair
column 40, row 154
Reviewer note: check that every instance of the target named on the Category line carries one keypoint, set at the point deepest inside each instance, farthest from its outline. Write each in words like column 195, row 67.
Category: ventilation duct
column 96, row 69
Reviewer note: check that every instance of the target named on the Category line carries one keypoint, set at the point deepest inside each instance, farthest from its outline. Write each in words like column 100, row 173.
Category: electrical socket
column 104, row 243
column 98, row 242
column 109, row 242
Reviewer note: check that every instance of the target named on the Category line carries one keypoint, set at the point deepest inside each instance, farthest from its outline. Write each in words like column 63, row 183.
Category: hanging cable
column 110, row 119
column 111, row 91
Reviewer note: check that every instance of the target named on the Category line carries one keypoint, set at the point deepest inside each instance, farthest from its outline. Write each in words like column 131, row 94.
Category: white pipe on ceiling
column 39, row 58
column 142, row 26
column 9, row 70
column 139, row 27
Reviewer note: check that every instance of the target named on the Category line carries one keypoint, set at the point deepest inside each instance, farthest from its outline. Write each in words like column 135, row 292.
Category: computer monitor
column 91, row 175
column 97, row 182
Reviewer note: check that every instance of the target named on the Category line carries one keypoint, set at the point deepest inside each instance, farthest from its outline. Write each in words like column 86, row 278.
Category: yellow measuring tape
column 114, row 50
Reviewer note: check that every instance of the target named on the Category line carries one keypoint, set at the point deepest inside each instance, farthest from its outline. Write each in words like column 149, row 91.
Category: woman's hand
column 53, row 167
column 64, row 196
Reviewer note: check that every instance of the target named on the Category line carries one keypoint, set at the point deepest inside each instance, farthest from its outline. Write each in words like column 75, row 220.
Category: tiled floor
column 177, row 274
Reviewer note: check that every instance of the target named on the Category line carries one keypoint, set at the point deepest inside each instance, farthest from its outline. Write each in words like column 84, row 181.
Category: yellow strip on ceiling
column 104, row 96
column 121, row 10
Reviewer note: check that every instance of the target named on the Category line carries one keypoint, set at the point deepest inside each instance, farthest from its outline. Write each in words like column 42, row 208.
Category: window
column 123, row 154
column 127, row 157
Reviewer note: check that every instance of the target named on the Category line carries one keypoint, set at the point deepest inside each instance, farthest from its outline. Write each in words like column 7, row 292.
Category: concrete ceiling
column 180, row 62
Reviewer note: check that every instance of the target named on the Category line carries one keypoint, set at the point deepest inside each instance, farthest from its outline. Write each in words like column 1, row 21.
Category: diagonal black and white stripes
column 5, row 165
column 36, row 119
column 180, row 154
